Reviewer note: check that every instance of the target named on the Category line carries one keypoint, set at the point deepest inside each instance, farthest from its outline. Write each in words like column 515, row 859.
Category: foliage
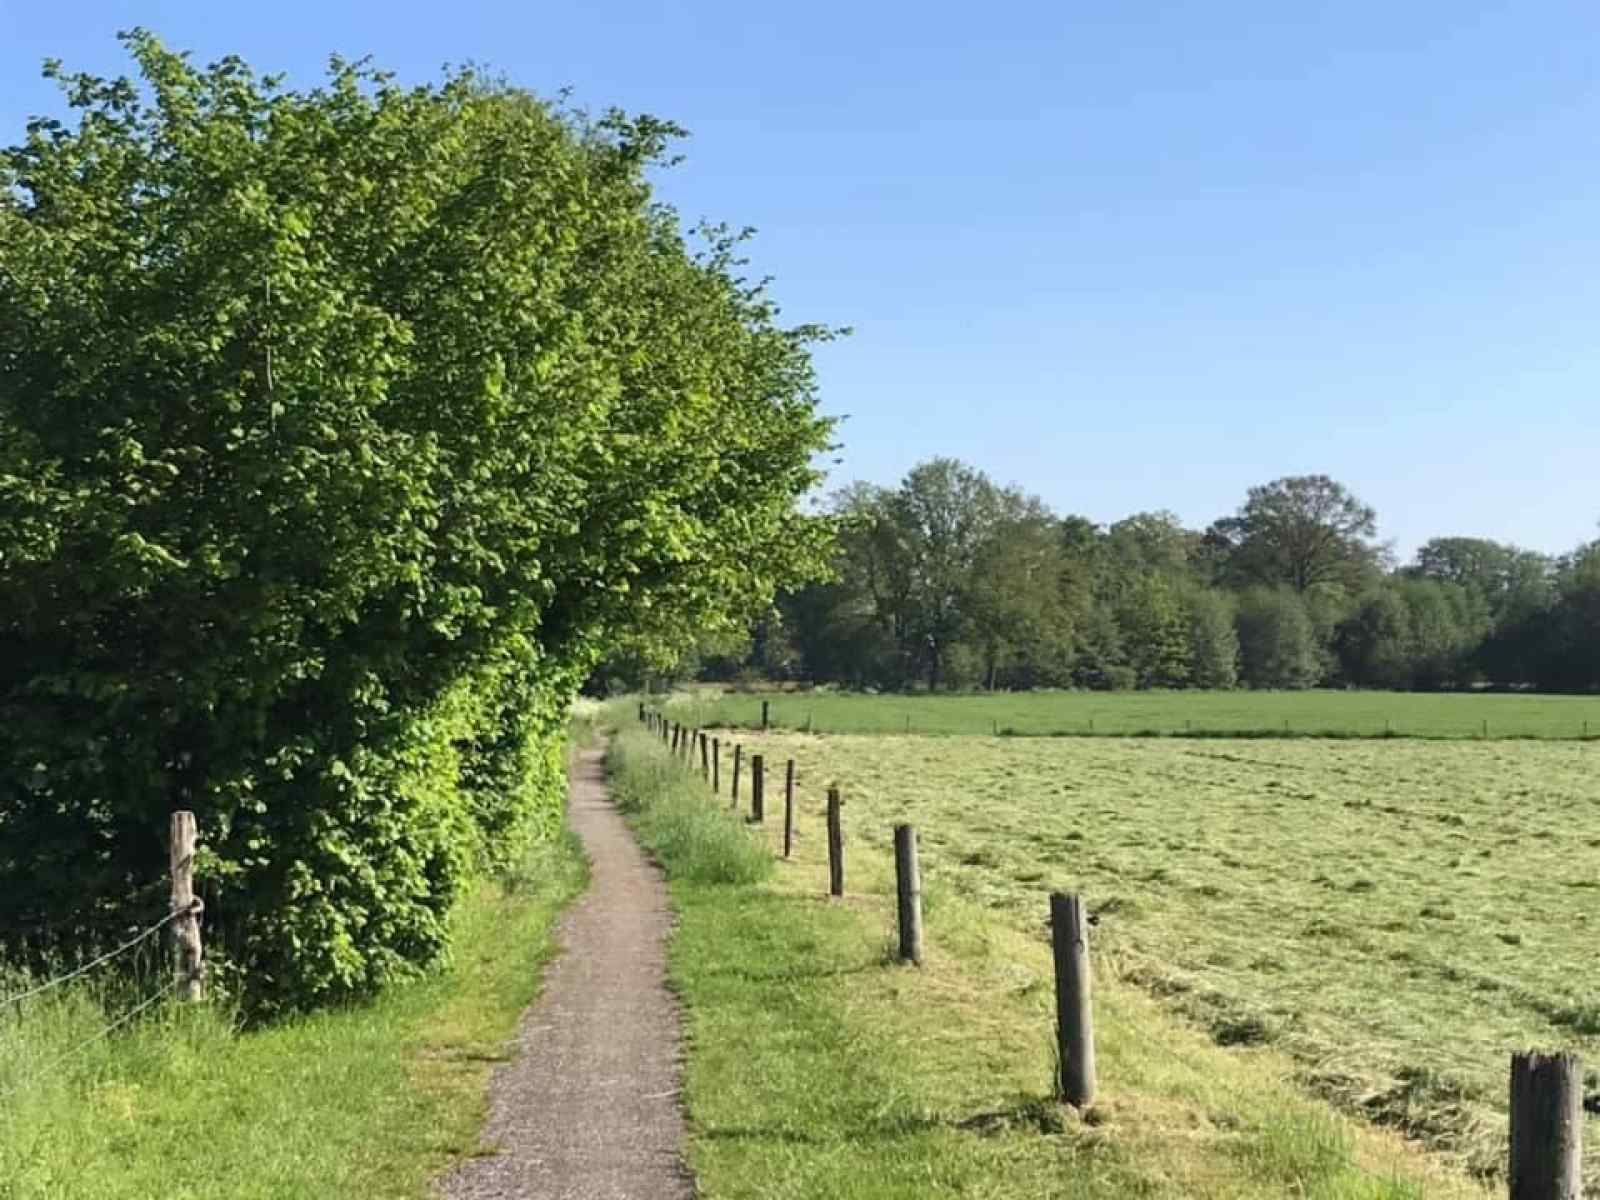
column 339, row 431
column 951, row 581
column 1277, row 644
column 1300, row 531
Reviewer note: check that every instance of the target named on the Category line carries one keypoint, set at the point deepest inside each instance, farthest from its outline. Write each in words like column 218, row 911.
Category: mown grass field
column 819, row 1067
column 1393, row 916
column 1227, row 714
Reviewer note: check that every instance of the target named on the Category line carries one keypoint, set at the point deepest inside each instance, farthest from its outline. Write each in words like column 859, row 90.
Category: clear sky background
column 1125, row 254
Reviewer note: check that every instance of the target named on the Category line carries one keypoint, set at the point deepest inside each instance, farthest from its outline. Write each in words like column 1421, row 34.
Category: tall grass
column 372, row 1100
column 694, row 838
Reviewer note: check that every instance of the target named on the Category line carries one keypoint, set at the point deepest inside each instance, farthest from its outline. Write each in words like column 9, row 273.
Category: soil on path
column 589, row 1107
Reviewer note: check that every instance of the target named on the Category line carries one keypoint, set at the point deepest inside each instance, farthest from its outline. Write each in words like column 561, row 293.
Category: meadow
column 819, row 1068
column 1342, row 714
column 1392, row 916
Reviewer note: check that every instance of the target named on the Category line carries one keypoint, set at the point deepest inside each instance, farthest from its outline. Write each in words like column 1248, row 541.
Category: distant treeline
column 950, row 581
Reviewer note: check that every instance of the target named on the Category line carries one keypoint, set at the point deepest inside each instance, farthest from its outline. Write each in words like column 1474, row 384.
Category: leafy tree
column 1017, row 619
column 340, row 431
column 1374, row 643
column 1213, row 639
column 1277, row 646
column 1508, row 578
column 1155, row 627
column 1300, row 531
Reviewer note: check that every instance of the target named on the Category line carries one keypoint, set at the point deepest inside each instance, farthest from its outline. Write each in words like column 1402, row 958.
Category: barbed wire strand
column 96, row 962
column 103, row 1034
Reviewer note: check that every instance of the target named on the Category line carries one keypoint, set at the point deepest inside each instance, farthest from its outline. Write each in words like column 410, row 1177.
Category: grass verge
column 370, row 1101
column 817, row 1067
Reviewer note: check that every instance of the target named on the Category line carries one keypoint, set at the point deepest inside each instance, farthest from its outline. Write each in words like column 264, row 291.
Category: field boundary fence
column 1546, row 1090
column 182, row 925
column 1299, row 728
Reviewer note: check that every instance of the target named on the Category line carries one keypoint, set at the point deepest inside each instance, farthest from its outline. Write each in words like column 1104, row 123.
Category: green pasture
column 1217, row 714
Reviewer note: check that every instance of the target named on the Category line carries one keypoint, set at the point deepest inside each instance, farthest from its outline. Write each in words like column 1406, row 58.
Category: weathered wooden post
column 705, row 757
column 1069, row 938
column 716, row 766
column 764, row 712
column 758, row 787
column 788, row 810
column 674, row 737
column 738, row 761
column 641, row 711
column 190, row 964
column 1546, row 1126
column 835, row 844
column 664, row 731
column 908, row 889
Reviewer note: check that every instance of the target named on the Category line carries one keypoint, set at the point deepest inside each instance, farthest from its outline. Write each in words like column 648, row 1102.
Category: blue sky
column 1126, row 255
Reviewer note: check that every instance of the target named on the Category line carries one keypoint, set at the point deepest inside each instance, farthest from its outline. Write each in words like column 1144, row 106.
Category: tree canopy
column 1291, row 591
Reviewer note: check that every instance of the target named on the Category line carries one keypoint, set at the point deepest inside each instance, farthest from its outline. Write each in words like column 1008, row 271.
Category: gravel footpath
column 589, row 1108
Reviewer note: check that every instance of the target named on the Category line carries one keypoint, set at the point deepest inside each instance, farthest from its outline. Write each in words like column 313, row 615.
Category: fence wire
column 159, row 994
column 101, row 960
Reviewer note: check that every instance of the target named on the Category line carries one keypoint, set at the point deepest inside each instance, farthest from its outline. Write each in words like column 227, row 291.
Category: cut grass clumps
column 820, row 1067
column 676, row 820
column 1395, row 916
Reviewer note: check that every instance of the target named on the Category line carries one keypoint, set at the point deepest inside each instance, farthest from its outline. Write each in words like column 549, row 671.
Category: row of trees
column 949, row 580
column 340, row 432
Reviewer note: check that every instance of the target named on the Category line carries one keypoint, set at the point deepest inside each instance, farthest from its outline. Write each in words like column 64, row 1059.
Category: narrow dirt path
column 589, row 1107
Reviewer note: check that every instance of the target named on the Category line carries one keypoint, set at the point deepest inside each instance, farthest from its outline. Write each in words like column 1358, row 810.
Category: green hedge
column 340, row 430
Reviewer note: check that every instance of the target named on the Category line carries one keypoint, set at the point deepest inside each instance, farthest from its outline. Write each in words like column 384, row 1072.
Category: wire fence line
column 98, row 961
column 104, row 1032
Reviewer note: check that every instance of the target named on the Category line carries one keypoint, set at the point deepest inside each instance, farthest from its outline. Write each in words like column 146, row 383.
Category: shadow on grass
column 1037, row 1115
column 795, row 973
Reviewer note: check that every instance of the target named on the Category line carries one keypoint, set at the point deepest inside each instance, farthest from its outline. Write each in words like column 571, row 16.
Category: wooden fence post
column 716, row 766
column 788, row 810
column 186, row 928
column 1546, row 1126
column 758, row 787
column 764, row 710
column 675, row 733
column 738, row 761
column 908, row 888
column 835, row 844
column 705, row 757
column 641, row 712
column 1069, row 938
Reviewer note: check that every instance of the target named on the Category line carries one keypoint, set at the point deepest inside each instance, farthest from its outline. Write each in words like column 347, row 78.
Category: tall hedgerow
column 339, row 430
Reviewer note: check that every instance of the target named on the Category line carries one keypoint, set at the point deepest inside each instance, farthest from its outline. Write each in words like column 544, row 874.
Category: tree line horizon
column 950, row 581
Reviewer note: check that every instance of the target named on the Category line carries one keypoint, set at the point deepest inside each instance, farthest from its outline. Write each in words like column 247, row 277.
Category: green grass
column 370, row 1101
column 817, row 1067
column 1393, row 916
column 1333, row 714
